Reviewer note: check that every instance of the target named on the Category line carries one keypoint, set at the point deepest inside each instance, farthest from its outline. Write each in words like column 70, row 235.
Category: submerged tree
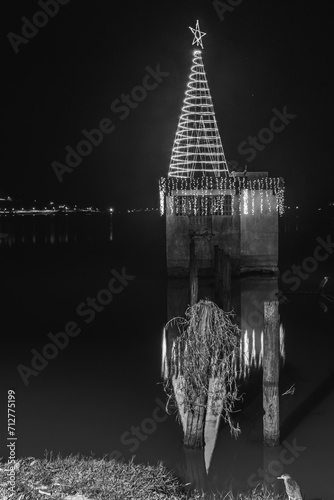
column 201, row 376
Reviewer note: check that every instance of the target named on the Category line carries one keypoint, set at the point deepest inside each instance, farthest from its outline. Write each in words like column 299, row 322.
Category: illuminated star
column 198, row 35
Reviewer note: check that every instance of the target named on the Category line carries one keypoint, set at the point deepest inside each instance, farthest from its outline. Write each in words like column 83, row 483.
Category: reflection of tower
column 247, row 300
column 254, row 291
column 202, row 199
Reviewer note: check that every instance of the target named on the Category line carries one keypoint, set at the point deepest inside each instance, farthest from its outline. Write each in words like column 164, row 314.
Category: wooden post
column 222, row 278
column 193, row 274
column 199, row 408
column 217, row 271
column 226, row 281
column 194, row 434
column 195, row 472
column 271, row 374
column 272, row 467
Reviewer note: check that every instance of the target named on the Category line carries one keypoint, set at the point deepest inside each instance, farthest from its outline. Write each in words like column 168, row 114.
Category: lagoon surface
column 100, row 392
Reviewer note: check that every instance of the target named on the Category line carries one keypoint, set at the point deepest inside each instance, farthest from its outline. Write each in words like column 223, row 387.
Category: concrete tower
column 206, row 202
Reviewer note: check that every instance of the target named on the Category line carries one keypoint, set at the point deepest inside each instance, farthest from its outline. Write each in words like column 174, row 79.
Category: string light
column 162, row 192
column 261, row 195
column 245, row 196
column 198, row 35
column 207, row 196
column 197, row 145
column 268, row 201
column 199, row 182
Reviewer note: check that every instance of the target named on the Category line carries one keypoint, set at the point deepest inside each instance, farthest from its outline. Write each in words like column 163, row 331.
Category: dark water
column 101, row 393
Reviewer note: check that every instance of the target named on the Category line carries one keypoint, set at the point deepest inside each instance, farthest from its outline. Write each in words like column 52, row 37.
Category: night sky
column 262, row 55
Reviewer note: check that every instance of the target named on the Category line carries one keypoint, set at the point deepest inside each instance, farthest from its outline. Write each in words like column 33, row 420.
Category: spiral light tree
column 197, row 149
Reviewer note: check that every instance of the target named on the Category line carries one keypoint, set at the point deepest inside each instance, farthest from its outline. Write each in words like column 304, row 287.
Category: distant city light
column 53, row 208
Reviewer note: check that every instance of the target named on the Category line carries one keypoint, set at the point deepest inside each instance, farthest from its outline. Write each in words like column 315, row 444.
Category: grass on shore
column 74, row 478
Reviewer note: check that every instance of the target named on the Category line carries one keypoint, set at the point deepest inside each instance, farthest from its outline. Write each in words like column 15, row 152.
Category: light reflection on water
column 233, row 462
column 249, row 357
column 54, row 229
column 251, row 351
column 249, row 295
column 247, row 299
